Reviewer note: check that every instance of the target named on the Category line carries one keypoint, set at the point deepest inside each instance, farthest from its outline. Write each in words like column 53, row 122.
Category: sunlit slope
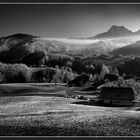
column 17, row 47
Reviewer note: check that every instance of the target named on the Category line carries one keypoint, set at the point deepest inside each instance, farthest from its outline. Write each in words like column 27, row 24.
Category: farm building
column 79, row 80
column 122, row 96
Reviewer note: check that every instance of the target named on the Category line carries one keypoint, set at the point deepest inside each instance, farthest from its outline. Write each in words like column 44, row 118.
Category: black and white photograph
column 70, row 69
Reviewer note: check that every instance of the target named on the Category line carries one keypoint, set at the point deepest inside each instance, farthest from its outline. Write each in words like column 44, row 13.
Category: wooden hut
column 79, row 80
column 122, row 96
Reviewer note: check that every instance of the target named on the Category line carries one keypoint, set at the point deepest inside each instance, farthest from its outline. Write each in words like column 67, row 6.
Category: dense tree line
column 38, row 58
column 65, row 69
column 17, row 73
column 130, row 67
column 60, row 61
column 10, row 73
column 80, row 66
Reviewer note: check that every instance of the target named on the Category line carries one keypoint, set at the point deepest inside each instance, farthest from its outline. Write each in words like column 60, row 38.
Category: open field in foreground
column 37, row 109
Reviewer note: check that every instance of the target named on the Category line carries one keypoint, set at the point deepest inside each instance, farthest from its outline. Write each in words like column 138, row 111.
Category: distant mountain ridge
column 116, row 31
column 17, row 47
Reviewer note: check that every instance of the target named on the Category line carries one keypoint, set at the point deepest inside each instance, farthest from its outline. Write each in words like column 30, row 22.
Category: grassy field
column 43, row 109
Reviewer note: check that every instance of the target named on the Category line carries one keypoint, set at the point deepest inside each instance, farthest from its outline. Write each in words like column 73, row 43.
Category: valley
column 43, row 91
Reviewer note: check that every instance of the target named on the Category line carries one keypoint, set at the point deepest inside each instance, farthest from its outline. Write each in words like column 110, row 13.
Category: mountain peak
column 121, row 28
column 115, row 31
column 116, row 27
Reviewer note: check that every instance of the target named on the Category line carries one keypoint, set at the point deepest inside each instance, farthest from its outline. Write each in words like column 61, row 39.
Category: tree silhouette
column 104, row 71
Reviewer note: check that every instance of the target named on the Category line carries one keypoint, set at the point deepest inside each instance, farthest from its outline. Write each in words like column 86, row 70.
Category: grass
column 43, row 112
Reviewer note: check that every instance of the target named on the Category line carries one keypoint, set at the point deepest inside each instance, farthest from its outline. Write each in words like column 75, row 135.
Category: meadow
column 33, row 109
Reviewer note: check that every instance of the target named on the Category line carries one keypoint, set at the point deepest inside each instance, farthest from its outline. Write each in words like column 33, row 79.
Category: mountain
column 23, row 47
column 137, row 32
column 114, row 31
column 94, row 49
column 18, row 47
column 133, row 49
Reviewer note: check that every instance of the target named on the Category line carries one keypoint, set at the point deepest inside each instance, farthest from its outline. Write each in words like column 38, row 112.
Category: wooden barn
column 79, row 80
column 121, row 96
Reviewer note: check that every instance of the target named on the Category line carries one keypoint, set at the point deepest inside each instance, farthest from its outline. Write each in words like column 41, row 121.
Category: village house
column 121, row 96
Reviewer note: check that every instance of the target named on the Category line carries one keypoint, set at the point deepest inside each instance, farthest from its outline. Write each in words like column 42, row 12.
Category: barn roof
column 117, row 93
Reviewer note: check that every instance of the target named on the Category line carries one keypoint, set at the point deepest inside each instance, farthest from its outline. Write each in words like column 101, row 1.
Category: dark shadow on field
column 30, row 91
column 51, row 130
column 37, row 114
column 96, row 104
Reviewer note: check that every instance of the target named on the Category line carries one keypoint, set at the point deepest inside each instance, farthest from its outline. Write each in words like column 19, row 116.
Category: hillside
column 21, row 48
column 31, row 50
column 133, row 49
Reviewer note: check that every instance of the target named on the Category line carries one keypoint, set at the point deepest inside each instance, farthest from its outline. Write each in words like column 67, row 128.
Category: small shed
column 122, row 96
column 79, row 80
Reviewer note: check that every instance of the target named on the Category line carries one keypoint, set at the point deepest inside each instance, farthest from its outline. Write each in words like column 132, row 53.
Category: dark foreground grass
column 110, row 126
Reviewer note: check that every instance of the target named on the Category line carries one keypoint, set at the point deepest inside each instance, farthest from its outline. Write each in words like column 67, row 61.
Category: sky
column 66, row 20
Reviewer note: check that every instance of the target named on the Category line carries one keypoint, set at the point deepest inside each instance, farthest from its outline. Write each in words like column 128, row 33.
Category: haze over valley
column 105, row 43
